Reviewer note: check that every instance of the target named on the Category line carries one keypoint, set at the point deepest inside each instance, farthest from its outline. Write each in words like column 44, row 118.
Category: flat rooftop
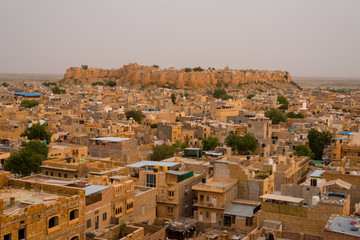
column 344, row 225
column 217, row 185
column 153, row 164
column 110, row 139
column 25, row 198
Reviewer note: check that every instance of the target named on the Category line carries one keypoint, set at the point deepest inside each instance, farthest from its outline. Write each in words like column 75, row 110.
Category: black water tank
column 68, row 159
column 248, row 157
column 203, row 180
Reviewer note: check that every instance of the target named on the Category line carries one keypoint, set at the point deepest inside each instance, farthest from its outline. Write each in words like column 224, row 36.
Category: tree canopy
column 222, row 94
column 24, row 163
column 294, row 115
column 282, row 100
column 173, row 98
column 135, row 114
column 37, row 147
column 210, row 143
column 303, row 150
column 162, row 152
column 37, row 132
column 275, row 116
column 110, row 83
column 317, row 142
column 57, row 90
column 243, row 144
column 29, row 103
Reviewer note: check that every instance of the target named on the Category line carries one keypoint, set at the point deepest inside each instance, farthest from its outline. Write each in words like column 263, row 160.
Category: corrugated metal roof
column 94, row 189
column 110, row 139
column 242, row 210
column 282, row 198
column 153, row 163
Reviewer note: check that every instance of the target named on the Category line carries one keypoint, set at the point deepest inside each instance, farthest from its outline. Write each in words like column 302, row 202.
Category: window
column 46, row 173
column 118, row 210
column 65, row 175
column 150, row 180
column 170, row 210
column 129, row 205
column 52, row 174
column 22, row 234
column 59, row 174
column 7, row 236
column 207, row 198
column 248, row 221
column 74, row 214
column 96, row 222
column 104, row 216
column 171, row 193
column 53, row 222
column 88, row 223
column 207, row 214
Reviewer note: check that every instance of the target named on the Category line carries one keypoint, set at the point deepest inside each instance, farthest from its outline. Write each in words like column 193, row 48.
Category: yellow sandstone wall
column 144, row 75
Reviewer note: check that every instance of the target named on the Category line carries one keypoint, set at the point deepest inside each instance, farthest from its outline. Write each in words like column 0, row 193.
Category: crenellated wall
column 144, row 75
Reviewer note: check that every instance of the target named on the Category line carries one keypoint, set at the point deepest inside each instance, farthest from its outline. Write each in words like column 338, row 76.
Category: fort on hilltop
column 134, row 74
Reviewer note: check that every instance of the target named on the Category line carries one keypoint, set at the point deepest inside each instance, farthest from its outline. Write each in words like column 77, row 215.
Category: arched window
column 74, row 214
column 53, row 222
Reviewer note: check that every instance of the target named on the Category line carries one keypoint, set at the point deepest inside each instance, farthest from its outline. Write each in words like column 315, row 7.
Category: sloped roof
column 338, row 182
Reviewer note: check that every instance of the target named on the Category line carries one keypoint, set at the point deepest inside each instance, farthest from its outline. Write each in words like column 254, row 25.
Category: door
column 213, row 217
column 201, row 216
column 96, row 222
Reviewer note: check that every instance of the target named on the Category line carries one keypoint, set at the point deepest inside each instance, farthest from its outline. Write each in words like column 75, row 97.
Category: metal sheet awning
column 282, row 198
column 242, row 210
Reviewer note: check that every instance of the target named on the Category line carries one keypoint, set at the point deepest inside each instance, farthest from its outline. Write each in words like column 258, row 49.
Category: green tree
column 47, row 84
column 122, row 229
column 162, row 152
column 57, row 90
column 24, row 163
column 37, row 132
column 135, row 114
column 247, row 143
column 198, row 69
column 110, row 83
column 232, row 140
column 97, row 83
column 318, row 141
column 5, row 84
column 210, row 143
column 85, row 67
column 155, row 66
column 303, row 150
column 173, row 98
column 154, row 125
column 29, row 103
column 222, row 94
column 37, row 147
column 275, row 116
column 250, row 96
column 187, row 69
column 242, row 144
column 180, row 146
column 282, row 100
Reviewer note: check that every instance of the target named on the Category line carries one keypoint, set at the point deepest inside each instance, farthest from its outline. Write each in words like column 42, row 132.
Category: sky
column 307, row 38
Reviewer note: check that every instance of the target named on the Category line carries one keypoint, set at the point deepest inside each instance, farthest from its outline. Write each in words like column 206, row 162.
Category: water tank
column 203, row 180
column 271, row 161
column 248, row 157
column 353, row 173
column 315, row 200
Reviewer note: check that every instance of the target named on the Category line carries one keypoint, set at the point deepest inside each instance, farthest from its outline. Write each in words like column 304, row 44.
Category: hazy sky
column 304, row 37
